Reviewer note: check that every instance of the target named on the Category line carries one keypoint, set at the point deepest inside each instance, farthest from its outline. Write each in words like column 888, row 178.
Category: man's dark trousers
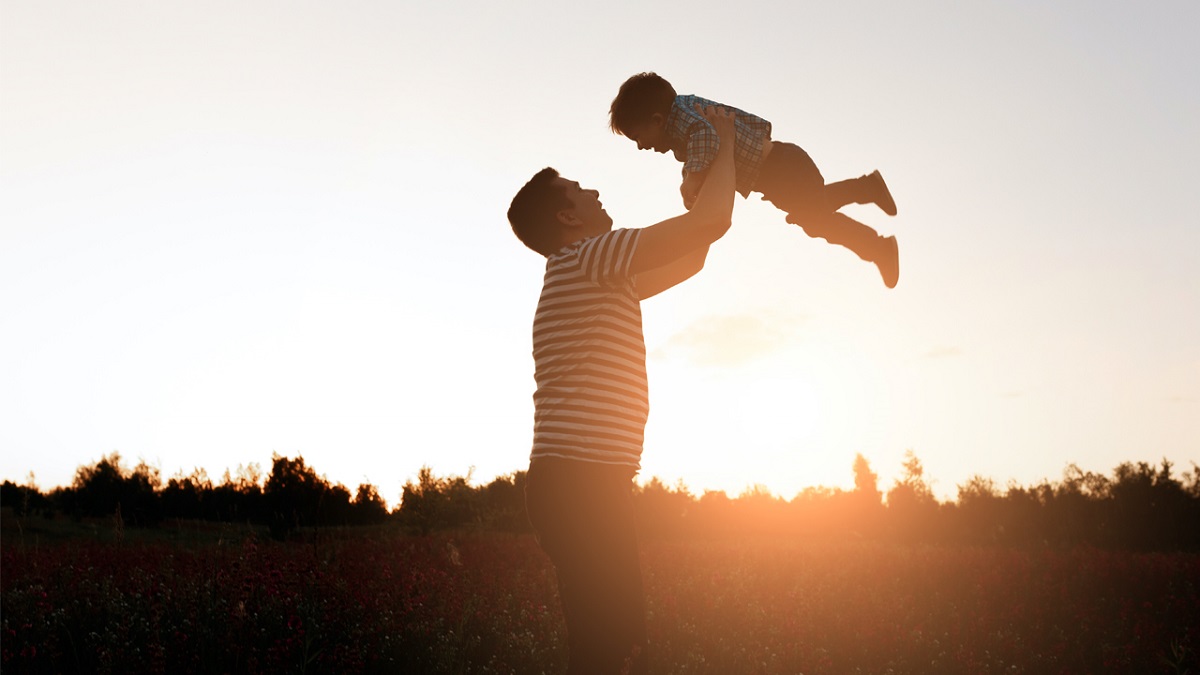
column 582, row 514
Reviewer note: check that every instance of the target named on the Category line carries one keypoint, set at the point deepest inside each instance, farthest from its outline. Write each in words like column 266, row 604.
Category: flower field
column 485, row 603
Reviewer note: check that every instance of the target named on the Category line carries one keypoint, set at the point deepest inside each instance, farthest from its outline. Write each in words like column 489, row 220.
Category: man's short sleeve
column 606, row 259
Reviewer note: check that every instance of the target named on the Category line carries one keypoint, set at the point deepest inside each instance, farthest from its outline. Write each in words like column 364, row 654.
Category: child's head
column 640, row 110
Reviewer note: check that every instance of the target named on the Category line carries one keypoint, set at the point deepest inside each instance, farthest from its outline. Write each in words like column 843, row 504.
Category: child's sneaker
column 888, row 261
column 883, row 196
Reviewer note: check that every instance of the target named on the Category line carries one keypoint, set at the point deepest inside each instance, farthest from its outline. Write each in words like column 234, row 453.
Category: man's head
column 550, row 212
column 640, row 110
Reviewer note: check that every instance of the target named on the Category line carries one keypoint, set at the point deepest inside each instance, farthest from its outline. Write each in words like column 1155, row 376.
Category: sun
column 786, row 422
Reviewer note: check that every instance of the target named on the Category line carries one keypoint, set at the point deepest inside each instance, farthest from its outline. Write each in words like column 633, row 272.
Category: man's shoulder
column 575, row 248
column 615, row 233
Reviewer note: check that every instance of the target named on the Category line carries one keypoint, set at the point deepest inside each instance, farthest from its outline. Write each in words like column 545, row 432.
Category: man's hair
column 640, row 97
column 533, row 213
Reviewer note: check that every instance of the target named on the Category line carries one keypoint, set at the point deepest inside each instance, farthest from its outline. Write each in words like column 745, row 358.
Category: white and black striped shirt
column 589, row 355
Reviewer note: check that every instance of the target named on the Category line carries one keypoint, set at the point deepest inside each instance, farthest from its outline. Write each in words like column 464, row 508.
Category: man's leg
column 583, row 519
column 600, row 585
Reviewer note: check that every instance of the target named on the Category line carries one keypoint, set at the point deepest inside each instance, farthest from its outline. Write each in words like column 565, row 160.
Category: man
column 591, row 402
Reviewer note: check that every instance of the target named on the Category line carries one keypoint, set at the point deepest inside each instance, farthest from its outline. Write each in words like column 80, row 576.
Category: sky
column 234, row 229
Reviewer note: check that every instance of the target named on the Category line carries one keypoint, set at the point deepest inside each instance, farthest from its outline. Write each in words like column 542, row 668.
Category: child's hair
column 533, row 213
column 640, row 97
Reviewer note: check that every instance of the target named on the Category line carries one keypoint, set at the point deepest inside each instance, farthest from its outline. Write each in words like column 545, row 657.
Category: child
column 648, row 112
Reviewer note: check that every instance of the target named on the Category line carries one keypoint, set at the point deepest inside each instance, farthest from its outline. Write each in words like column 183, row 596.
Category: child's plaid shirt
column 688, row 128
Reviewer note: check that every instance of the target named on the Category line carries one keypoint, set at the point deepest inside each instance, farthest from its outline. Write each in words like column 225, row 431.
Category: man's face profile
column 586, row 209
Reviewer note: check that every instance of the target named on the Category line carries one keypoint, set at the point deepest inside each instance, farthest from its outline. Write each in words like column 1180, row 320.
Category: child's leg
column 791, row 181
column 862, row 240
column 869, row 189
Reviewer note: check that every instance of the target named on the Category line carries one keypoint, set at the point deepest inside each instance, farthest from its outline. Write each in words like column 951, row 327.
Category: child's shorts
column 791, row 181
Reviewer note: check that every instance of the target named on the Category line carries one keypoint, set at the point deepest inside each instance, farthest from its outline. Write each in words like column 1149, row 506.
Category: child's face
column 651, row 134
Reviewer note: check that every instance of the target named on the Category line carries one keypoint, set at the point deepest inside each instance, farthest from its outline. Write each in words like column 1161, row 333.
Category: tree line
column 1139, row 506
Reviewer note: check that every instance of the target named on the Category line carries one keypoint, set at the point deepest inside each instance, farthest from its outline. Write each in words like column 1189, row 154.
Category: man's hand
column 680, row 244
column 722, row 121
column 690, row 188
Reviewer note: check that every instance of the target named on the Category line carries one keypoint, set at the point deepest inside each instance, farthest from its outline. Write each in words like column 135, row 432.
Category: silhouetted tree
column 866, row 502
column 911, row 506
column 184, row 496
column 1191, row 482
column 978, row 511
column 1150, row 509
column 239, row 498
column 26, row 499
column 369, row 508
column 758, row 512
column 96, row 490
column 435, row 503
column 1024, row 510
column 108, row 489
column 294, row 495
column 1141, row 506
column 503, row 502
column 1070, row 513
column 822, row 512
column 714, row 514
column 660, row 510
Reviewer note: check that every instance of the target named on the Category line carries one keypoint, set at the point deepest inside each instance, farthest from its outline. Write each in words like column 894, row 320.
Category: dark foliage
column 1139, row 507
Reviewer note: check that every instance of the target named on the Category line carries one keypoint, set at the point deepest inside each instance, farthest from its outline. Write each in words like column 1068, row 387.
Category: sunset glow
column 233, row 230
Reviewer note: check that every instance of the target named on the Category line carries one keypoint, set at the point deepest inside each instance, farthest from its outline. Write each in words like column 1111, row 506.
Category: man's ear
column 567, row 217
column 659, row 120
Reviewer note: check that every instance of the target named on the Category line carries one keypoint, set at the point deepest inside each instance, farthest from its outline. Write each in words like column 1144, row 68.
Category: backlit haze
column 232, row 229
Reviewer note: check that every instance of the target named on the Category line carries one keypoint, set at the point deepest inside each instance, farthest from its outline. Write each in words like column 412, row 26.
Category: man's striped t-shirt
column 589, row 355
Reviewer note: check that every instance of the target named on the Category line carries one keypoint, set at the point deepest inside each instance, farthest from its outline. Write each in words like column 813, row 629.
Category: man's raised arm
column 673, row 250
